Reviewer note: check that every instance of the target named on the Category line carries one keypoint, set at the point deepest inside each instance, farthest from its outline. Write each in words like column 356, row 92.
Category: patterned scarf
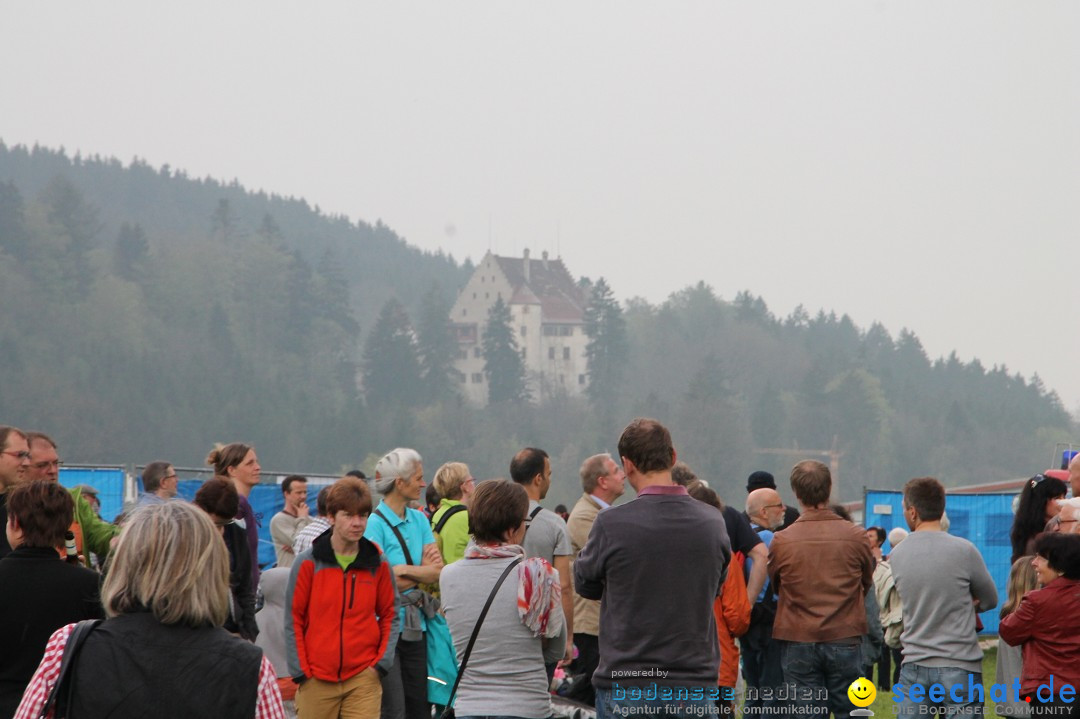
column 538, row 585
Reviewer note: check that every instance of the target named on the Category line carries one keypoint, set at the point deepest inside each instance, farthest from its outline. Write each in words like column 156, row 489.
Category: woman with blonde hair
column 450, row 522
column 162, row 651
column 1022, row 579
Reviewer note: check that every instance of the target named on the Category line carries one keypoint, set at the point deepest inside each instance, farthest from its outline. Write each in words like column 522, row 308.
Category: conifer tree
column 607, row 347
column 391, row 369
column 503, row 367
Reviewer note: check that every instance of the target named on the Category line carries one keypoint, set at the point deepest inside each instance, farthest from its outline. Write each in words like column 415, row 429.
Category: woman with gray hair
column 405, row 537
column 162, row 651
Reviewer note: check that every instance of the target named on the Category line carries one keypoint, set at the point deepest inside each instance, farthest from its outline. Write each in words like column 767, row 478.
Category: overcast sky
column 913, row 163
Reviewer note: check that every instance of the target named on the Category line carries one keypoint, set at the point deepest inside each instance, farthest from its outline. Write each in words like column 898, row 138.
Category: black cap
column 759, row 480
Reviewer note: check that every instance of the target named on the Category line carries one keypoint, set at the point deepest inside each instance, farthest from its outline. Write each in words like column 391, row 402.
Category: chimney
column 544, row 256
column 525, row 264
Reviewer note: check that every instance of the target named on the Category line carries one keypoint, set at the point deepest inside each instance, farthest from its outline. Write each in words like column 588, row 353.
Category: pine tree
column 131, row 250
column 391, row 369
column 437, row 346
column 605, row 354
column 503, row 367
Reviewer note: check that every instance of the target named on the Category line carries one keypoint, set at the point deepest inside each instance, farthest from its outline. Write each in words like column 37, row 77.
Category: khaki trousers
column 359, row 697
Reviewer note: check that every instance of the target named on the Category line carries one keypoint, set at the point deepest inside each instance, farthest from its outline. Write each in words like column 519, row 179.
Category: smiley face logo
column 862, row 692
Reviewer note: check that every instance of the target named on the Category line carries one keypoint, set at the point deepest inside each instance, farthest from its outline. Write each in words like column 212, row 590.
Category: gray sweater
column 938, row 576
column 505, row 673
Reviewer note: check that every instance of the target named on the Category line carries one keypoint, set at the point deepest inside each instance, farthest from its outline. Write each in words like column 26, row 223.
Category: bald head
column 1074, row 475
column 765, row 508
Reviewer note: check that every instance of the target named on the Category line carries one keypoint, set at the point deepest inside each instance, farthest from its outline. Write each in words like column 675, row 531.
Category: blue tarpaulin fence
column 108, row 481
column 982, row 519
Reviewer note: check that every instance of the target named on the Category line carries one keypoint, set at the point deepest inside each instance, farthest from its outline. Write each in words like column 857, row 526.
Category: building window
column 463, row 354
column 477, row 377
column 523, row 330
column 581, row 379
column 551, row 353
column 487, row 295
column 464, row 312
column 522, row 353
column 483, row 279
column 550, row 330
column 525, row 309
column 476, row 351
column 566, row 331
column 474, row 295
column 566, row 353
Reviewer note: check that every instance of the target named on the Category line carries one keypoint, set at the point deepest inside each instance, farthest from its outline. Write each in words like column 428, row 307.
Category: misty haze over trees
column 145, row 315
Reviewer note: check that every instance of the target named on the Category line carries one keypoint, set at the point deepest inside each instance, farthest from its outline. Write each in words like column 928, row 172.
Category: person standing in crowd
column 743, row 540
column 1038, row 505
column 1009, row 665
column 340, row 621
column 455, row 485
column 238, row 463
column 92, row 534
column 160, row 484
column 943, row 582
column 219, row 499
column 731, row 611
column 316, row 527
column 635, row 563
column 14, row 461
column 823, row 568
column 39, row 591
column 1047, row 624
column 286, row 524
column 524, row 627
column 603, row 482
column 166, row 596
column 761, row 654
column 545, row 532
column 405, row 537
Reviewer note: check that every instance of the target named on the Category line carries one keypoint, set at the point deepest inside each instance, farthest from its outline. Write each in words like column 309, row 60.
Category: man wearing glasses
column 1069, row 517
column 14, row 461
column 92, row 534
column 160, row 484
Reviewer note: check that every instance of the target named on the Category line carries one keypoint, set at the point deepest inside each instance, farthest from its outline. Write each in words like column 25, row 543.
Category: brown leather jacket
column 823, row 567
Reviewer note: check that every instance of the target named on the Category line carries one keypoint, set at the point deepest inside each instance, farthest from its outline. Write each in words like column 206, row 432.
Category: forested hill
column 145, row 315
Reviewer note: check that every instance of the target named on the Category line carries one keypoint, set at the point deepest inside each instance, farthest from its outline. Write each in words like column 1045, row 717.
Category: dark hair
column 1030, row 516
column 526, row 464
column 289, row 481
column 498, row 506
column 320, row 500
column 152, row 475
column 812, row 482
column 224, row 457
column 43, row 510
column 431, row 495
column 701, row 493
column 356, row 473
column 682, row 474
column 927, row 496
column 647, row 444
column 218, row 496
column 841, row 511
column 879, row 532
column 1061, row 552
column 348, row 494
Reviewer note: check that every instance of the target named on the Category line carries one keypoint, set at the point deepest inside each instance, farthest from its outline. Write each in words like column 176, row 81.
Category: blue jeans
column 945, row 676
column 821, row 673
column 634, row 702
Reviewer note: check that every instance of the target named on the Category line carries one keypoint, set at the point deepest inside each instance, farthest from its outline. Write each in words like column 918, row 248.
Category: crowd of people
column 473, row 595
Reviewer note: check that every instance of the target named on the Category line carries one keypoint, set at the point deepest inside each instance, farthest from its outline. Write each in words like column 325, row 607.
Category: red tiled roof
column 550, row 284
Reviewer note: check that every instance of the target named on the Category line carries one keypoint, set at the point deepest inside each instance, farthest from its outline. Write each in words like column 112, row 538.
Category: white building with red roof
column 547, row 309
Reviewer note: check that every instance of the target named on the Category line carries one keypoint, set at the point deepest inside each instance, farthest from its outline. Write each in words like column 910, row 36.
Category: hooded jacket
column 340, row 622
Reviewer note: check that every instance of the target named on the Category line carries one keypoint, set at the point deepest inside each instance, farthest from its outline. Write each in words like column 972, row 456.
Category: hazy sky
column 914, row 163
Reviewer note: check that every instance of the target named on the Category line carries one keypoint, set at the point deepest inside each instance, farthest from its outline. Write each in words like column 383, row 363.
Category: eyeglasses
column 45, row 465
column 772, row 506
column 168, row 476
column 20, row 455
column 1067, row 521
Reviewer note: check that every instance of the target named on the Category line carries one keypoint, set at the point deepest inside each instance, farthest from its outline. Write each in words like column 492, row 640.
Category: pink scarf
column 538, row 585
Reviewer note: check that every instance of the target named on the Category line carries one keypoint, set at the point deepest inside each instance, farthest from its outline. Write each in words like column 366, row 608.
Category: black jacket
column 39, row 593
column 242, row 615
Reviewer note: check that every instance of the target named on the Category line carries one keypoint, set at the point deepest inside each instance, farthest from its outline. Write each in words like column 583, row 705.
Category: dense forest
column 145, row 314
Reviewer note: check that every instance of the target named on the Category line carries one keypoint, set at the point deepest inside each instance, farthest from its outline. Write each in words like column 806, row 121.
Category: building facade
column 547, row 310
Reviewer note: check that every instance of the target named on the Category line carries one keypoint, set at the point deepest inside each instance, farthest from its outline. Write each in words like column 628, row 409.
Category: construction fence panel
column 108, row 481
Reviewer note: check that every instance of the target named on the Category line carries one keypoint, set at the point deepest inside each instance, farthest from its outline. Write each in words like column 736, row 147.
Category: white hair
column 400, row 463
column 897, row 535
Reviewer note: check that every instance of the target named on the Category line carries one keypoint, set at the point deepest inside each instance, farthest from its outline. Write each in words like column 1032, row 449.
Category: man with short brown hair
column 823, row 568
column 14, row 461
